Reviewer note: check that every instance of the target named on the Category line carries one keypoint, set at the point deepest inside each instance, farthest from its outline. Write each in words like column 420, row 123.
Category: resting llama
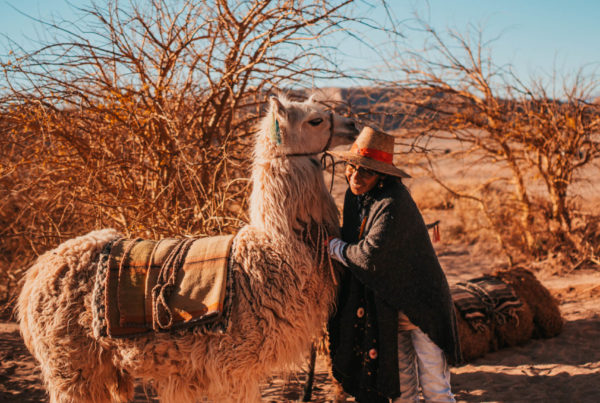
column 282, row 285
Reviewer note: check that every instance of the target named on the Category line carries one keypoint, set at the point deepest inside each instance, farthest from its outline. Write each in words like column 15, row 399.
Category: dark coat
column 392, row 268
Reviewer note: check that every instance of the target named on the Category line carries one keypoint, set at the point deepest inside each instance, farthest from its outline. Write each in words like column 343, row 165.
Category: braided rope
column 319, row 242
column 162, row 315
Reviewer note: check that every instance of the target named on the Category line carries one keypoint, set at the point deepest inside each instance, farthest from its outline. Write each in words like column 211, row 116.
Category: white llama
column 283, row 292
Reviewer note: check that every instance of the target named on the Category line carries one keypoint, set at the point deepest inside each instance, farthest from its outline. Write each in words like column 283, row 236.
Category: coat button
column 372, row 353
column 360, row 312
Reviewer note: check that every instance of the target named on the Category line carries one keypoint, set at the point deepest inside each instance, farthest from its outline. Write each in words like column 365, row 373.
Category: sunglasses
column 360, row 171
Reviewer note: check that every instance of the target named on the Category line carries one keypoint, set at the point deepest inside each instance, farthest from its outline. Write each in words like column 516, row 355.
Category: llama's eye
column 315, row 122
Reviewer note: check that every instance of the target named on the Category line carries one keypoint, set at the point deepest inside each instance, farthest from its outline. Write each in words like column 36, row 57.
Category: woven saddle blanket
column 143, row 286
column 483, row 300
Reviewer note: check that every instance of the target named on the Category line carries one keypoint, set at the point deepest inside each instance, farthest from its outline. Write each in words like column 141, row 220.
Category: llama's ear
column 276, row 106
column 277, row 109
column 312, row 98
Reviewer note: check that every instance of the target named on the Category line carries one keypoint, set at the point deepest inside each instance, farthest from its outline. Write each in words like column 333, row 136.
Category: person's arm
column 336, row 250
column 380, row 258
column 380, row 243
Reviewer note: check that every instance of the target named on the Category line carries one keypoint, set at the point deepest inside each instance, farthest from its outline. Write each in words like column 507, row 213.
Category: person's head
column 361, row 179
column 369, row 161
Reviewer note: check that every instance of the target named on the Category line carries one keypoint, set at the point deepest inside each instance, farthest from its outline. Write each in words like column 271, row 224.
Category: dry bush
column 139, row 116
column 430, row 196
column 454, row 101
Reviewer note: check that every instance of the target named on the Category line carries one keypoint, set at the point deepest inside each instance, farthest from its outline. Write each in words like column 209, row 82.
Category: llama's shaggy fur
column 516, row 332
column 283, row 291
column 538, row 317
column 546, row 314
column 473, row 343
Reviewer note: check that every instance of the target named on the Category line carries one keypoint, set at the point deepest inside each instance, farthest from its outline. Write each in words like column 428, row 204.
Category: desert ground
column 565, row 368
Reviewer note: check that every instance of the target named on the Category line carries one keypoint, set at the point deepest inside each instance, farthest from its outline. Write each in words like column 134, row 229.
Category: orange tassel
column 362, row 228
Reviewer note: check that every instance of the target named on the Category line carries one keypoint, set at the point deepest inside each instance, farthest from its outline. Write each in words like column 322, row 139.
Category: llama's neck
column 289, row 193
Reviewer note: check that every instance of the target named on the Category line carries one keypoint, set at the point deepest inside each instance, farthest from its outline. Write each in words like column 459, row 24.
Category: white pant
column 422, row 363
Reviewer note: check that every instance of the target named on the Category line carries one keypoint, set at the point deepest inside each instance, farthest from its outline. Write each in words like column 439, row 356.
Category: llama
column 538, row 317
column 283, row 289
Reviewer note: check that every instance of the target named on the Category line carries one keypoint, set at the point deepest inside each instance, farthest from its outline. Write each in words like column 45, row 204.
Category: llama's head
column 288, row 188
column 301, row 128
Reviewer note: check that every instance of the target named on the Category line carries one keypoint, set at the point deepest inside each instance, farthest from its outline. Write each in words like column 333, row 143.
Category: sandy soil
column 562, row 369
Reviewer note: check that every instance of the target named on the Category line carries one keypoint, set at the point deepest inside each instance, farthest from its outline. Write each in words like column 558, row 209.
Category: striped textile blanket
column 485, row 300
column 143, row 286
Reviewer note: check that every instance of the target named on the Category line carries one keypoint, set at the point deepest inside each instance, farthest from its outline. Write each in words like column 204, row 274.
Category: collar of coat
column 366, row 199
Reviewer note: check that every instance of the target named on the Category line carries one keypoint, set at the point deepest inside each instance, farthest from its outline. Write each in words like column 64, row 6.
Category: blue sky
column 535, row 36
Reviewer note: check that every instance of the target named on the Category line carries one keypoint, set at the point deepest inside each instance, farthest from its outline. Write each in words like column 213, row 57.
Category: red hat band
column 372, row 153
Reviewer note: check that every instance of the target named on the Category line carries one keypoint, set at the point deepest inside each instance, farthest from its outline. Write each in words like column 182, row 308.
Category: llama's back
column 55, row 320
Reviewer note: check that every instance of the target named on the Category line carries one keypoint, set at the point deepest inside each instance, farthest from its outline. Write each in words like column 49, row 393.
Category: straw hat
column 373, row 150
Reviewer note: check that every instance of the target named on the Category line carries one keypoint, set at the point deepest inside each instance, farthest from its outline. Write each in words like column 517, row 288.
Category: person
column 394, row 329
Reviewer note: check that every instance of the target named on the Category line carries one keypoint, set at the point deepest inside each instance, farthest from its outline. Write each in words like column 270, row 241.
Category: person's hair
column 386, row 180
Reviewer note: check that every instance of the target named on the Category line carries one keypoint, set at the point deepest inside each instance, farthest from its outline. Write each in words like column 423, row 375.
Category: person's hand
column 335, row 248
